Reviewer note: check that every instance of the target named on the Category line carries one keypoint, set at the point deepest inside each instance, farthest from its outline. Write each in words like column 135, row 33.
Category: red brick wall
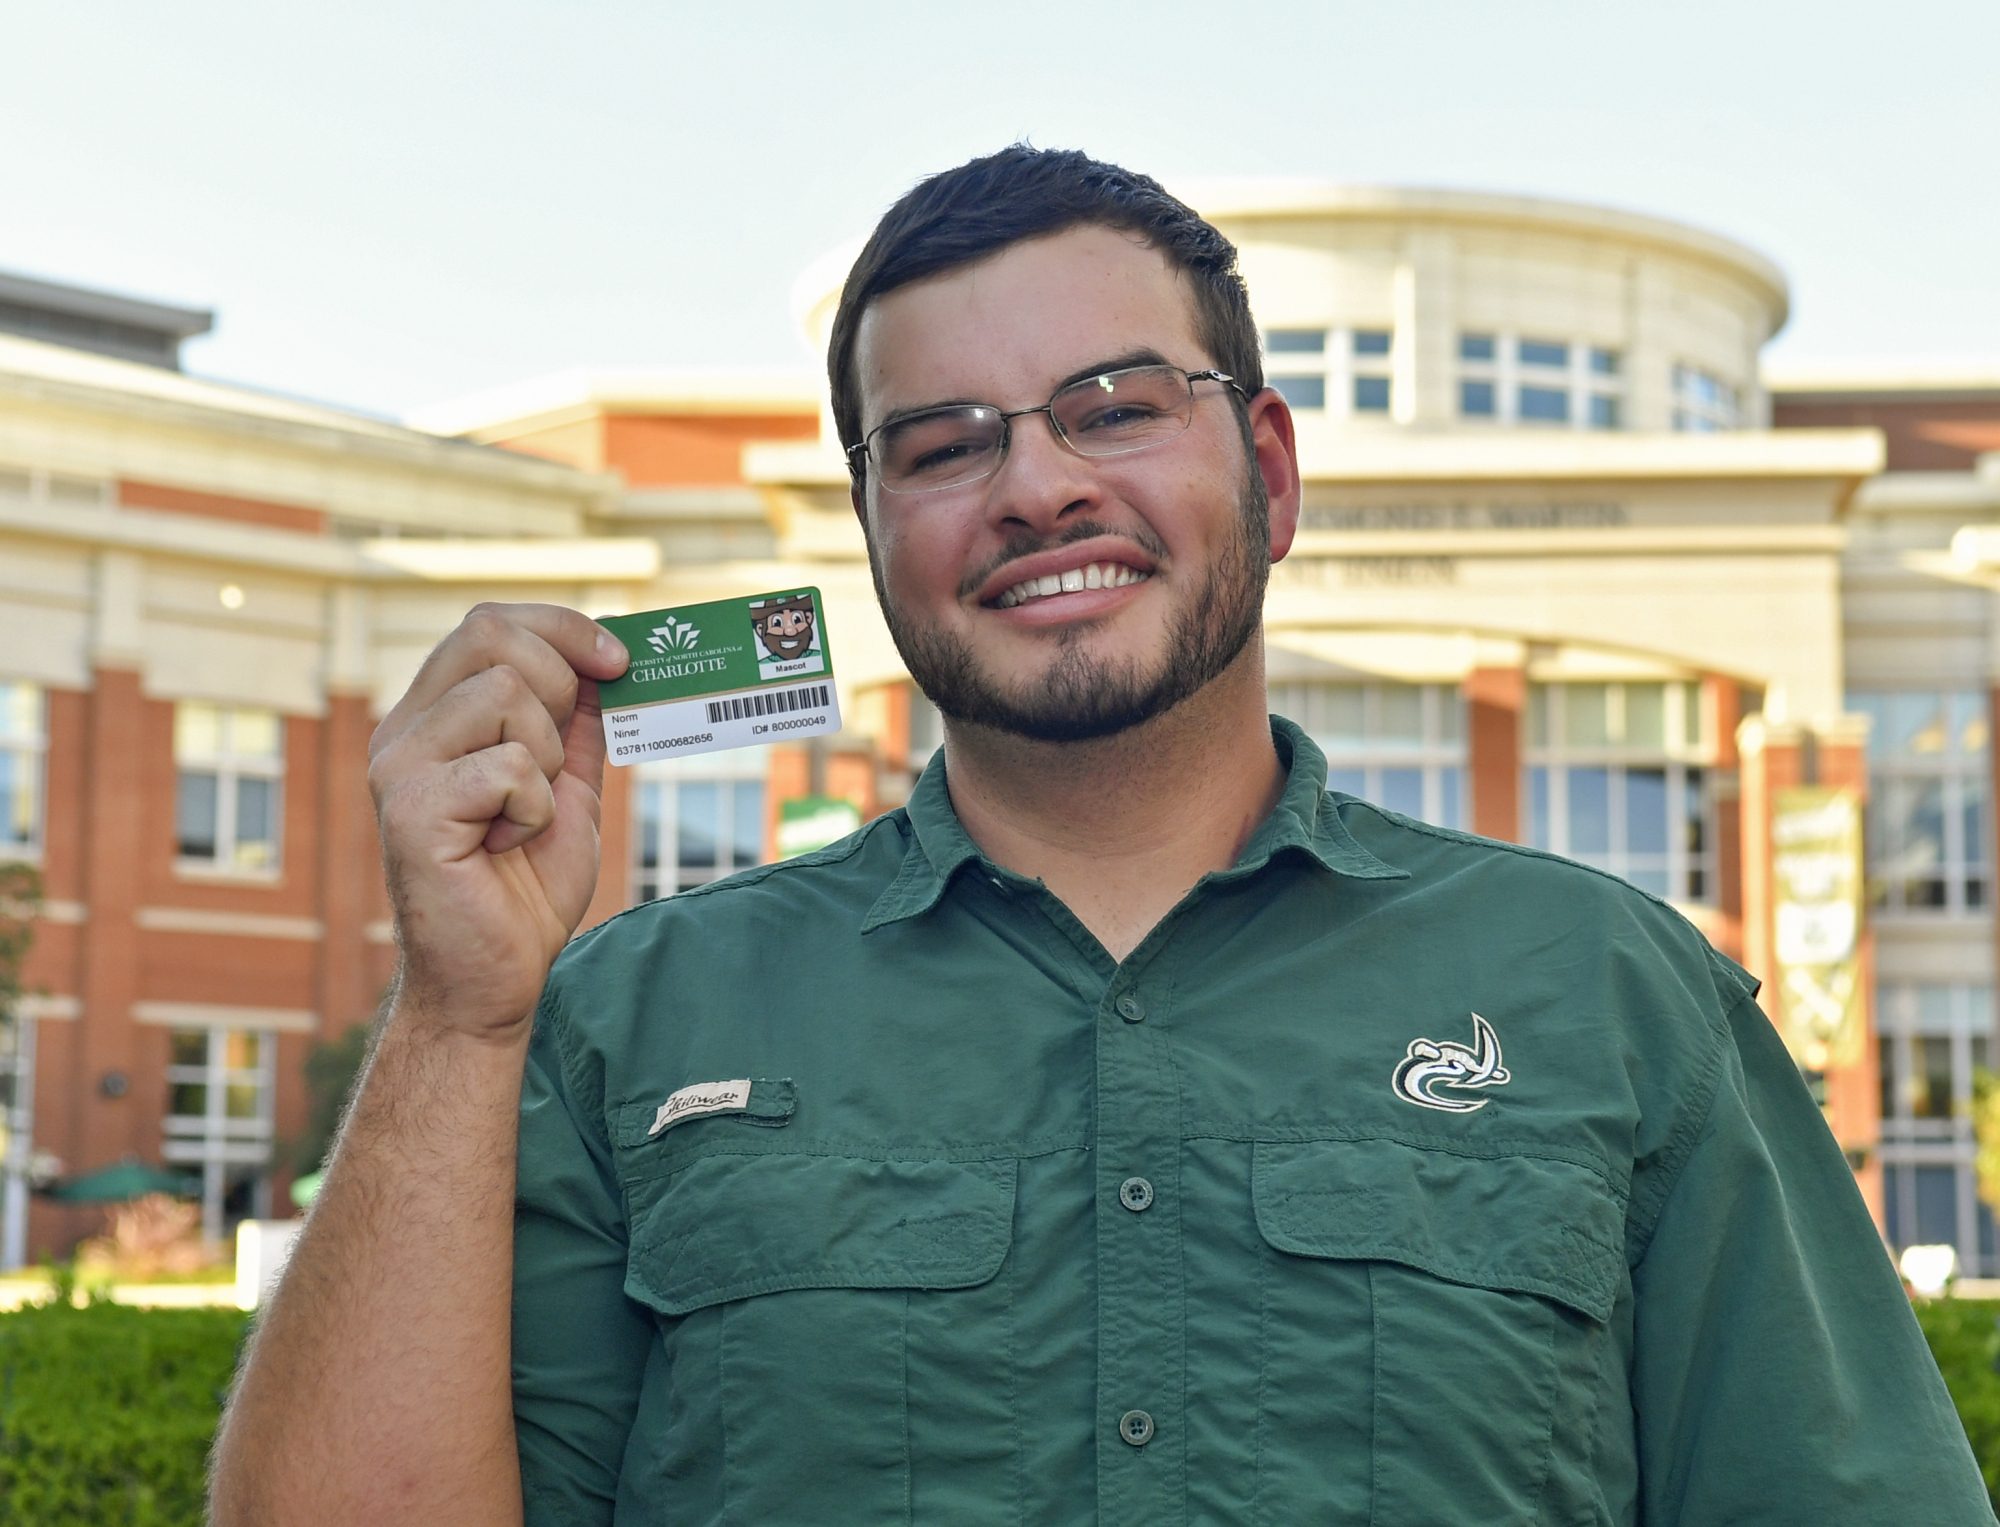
column 220, row 506
column 1921, row 435
column 663, row 450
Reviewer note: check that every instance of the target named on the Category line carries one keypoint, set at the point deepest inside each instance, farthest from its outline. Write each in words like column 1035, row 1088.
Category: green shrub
column 107, row 1412
column 1965, row 1339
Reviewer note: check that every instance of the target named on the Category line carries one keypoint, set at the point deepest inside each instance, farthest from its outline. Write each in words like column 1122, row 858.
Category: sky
column 393, row 205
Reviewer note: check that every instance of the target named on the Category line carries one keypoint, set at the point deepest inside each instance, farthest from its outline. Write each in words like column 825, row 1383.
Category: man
column 1127, row 1130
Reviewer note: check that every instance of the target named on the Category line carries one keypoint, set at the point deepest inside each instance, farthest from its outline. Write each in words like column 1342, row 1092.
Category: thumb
column 583, row 738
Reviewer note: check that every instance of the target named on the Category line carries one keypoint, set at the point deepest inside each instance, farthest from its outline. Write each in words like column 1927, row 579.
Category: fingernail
column 609, row 645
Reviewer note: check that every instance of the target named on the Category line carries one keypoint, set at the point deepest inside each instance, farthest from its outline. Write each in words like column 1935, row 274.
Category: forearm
column 377, row 1386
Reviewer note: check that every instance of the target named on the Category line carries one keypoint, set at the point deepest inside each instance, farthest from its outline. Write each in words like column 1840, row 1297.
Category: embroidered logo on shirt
column 703, row 1097
column 1429, row 1064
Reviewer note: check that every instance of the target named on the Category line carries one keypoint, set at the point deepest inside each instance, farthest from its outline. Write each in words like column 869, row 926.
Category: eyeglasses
column 1114, row 414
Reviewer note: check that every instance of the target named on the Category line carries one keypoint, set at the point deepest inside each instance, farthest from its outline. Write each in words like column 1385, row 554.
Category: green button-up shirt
column 1397, row 1177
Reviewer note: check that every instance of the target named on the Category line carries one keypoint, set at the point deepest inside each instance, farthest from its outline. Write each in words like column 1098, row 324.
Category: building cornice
column 33, row 373
column 572, row 397
column 1226, row 202
column 553, row 559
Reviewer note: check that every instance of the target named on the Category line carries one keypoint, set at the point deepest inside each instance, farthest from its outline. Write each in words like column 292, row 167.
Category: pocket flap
column 1526, row 1224
column 729, row 1226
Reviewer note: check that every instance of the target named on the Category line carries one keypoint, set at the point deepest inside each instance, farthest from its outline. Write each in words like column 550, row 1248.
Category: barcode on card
column 773, row 702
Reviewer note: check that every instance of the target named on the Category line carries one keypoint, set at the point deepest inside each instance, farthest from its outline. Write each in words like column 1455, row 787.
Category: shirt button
column 1131, row 1009
column 1136, row 1194
column 1136, row 1427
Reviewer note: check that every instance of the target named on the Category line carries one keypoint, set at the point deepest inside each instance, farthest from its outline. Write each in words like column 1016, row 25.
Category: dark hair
column 962, row 215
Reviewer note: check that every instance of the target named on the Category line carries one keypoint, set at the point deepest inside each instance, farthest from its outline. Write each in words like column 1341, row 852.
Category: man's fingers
column 456, row 806
column 548, row 645
column 583, row 738
column 494, row 706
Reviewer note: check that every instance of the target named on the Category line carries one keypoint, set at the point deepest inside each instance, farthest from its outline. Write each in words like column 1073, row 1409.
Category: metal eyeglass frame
column 1007, row 417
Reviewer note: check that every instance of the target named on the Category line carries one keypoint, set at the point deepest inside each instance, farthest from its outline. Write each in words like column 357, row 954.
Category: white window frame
column 1685, row 749
column 229, row 767
column 1507, row 374
column 1951, row 769
column 665, row 779
column 212, row 1140
column 30, row 751
column 17, row 1151
column 1441, row 749
column 1908, row 1141
column 1336, row 365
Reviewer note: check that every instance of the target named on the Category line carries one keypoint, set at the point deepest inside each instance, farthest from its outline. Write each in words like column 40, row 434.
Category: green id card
column 727, row 674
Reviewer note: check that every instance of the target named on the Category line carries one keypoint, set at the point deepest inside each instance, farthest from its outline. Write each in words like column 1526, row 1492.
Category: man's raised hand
column 487, row 777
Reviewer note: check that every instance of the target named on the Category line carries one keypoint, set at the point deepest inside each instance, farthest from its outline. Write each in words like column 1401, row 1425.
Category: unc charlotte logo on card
column 725, row 674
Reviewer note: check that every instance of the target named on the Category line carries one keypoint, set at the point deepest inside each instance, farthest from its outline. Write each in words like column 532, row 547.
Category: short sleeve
column 579, row 1345
column 1779, row 1375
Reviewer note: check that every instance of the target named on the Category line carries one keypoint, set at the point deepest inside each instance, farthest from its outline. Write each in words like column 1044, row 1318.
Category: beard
column 1078, row 696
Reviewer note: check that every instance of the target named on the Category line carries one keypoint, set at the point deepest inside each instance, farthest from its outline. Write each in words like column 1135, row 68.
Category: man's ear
column 1275, row 452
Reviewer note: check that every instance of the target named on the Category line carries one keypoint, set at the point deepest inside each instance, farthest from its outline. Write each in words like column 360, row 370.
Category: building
column 1572, row 571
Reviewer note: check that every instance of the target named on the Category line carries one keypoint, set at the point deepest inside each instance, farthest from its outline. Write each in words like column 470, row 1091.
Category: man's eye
column 943, row 457
column 1119, row 416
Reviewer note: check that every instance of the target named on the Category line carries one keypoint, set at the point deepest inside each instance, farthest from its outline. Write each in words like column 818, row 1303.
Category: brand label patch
column 702, row 1098
column 1431, row 1064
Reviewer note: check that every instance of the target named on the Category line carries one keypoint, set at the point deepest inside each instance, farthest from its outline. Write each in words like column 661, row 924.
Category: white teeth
column 1094, row 575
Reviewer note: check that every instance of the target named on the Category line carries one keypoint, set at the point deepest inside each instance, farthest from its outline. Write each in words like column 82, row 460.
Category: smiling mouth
column 1094, row 575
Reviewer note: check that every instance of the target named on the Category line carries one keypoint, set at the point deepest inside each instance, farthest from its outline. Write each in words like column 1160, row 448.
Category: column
column 1495, row 701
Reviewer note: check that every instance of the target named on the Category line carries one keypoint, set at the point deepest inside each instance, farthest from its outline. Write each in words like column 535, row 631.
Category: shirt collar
column 1305, row 821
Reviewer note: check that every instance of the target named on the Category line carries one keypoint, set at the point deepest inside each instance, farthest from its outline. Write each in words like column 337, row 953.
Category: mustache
column 1023, row 545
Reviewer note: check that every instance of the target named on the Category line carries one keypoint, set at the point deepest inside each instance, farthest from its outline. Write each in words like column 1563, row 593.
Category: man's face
column 787, row 632
column 1173, row 545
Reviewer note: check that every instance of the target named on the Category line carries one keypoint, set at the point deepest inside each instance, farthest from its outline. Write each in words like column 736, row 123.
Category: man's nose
column 1040, row 479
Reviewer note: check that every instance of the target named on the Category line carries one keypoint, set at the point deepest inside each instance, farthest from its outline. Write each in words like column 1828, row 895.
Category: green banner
column 811, row 822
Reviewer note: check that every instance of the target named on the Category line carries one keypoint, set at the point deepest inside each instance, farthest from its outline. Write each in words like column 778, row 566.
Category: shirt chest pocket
column 1487, row 1285
column 805, row 1298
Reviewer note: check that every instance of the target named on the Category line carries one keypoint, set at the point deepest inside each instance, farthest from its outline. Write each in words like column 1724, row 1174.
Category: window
column 1929, row 834
column 1301, row 391
column 231, row 765
column 1615, row 780
column 1703, row 402
column 1550, row 404
column 1341, row 370
column 1529, row 380
column 1399, row 745
column 1933, row 1037
column 1295, row 341
column 218, row 1119
column 24, row 745
column 697, row 819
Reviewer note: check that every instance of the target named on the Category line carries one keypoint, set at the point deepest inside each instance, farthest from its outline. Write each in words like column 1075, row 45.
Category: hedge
column 107, row 1412
column 1965, row 1339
